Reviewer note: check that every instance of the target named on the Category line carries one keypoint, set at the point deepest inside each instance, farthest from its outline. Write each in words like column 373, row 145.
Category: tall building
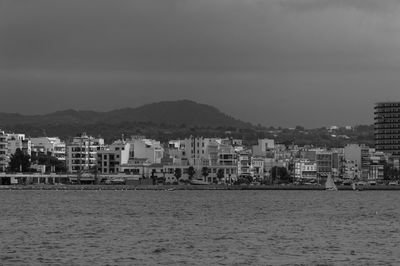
column 359, row 156
column 82, row 153
column 3, row 151
column 387, row 127
column 110, row 159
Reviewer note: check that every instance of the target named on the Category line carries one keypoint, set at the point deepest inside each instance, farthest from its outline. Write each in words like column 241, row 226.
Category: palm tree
column 191, row 172
column 205, row 172
column 178, row 173
column 19, row 161
column 220, row 174
column 153, row 176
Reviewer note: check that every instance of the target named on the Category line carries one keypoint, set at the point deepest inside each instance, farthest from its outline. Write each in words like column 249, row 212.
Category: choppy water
column 199, row 227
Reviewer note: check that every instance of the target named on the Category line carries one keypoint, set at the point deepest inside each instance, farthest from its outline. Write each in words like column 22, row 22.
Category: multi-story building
column 227, row 156
column 244, row 164
column 199, row 150
column 257, row 164
column 351, row 170
column 110, row 159
column 377, row 166
column 3, row 151
column 359, row 156
column 264, row 148
column 49, row 146
column 305, row 169
column 82, row 153
column 327, row 161
column 146, row 148
column 18, row 141
column 387, row 128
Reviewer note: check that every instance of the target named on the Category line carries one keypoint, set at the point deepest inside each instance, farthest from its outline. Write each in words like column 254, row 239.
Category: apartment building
column 376, row 165
column 110, row 159
column 81, row 155
column 3, row 151
column 18, row 141
column 387, row 128
column 264, row 148
column 359, row 155
column 146, row 148
column 305, row 169
column 49, row 146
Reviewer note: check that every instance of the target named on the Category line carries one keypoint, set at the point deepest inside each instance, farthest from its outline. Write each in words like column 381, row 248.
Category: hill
column 156, row 116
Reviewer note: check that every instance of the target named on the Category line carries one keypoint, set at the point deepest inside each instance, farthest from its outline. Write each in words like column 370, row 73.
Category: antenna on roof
column 44, row 132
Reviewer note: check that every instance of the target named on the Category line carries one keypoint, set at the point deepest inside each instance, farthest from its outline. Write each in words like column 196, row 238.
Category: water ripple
column 199, row 228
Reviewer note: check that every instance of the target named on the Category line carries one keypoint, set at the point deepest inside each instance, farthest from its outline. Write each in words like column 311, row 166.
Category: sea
column 199, row 227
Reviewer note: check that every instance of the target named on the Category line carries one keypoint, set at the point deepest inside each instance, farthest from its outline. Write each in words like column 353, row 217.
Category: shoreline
column 189, row 187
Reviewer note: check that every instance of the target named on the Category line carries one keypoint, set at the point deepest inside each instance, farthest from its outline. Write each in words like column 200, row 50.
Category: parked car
column 361, row 183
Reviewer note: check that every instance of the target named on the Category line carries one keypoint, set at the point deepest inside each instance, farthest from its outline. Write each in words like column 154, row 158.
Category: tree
column 50, row 162
column 178, row 173
column 205, row 172
column 280, row 174
column 19, row 161
column 390, row 172
column 220, row 174
column 153, row 176
column 191, row 172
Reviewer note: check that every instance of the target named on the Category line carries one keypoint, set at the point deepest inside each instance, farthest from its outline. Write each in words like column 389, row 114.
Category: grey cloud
column 262, row 61
column 370, row 6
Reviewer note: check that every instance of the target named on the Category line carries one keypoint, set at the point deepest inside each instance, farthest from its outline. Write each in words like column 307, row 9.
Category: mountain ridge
column 165, row 112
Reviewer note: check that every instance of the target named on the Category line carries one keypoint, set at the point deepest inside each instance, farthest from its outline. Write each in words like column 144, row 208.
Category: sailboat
column 330, row 185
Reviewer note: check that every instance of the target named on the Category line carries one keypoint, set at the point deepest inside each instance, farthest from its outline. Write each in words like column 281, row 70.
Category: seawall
column 187, row 187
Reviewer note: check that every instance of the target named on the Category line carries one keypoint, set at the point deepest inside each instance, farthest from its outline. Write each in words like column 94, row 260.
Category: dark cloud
column 267, row 62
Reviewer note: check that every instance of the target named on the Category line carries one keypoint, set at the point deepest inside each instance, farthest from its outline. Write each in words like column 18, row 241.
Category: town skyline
column 199, row 132
column 74, row 111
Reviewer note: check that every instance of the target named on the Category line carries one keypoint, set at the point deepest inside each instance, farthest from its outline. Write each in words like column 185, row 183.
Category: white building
column 49, row 146
column 200, row 151
column 359, row 155
column 136, row 167
column 82, row 153
column 18, row 141
column 305, row 169
column 257, row 165
column 146, row 148
column 244, row 164
column 264, row 148
column 110, row 159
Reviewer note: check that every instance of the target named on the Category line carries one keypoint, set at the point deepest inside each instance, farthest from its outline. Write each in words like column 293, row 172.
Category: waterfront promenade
column 188, row 187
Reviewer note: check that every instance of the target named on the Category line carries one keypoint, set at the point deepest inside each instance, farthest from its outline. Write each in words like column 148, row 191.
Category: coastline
column 188, row 187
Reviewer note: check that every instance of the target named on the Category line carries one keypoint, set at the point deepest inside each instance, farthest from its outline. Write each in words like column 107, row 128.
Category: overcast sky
column 275, row 62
